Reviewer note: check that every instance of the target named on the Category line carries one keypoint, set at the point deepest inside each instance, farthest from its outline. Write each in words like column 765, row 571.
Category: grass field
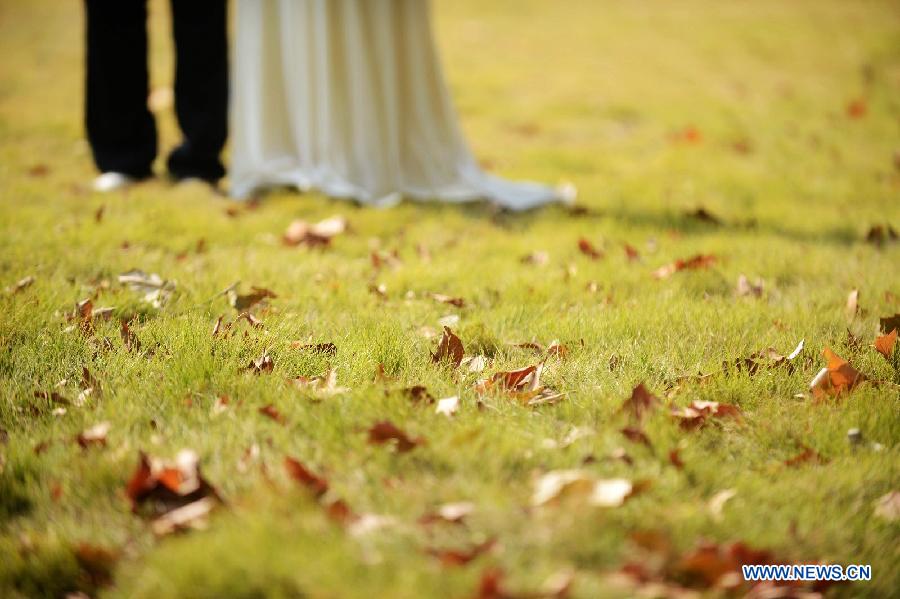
column 781, row 119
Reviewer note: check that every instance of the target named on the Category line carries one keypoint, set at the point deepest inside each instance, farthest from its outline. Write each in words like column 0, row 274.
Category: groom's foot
column 112, row 181
column 185, row 164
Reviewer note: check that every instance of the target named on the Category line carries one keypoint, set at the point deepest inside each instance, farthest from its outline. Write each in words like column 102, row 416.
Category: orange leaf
column 885, row 344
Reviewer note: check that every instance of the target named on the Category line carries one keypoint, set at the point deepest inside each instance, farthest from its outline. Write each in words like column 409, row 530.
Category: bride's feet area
column 112, row 181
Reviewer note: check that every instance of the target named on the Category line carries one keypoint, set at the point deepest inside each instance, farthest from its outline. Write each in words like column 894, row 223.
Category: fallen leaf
column 154, row 290
column 704, row 215
column 885, row 344
column 857, row 109
column 270, row 411
column 588, row 249
column 381, row 260
column 386, row 432
column 688, row 135
column 536, row 259
column 418, row 394
column 96, row 563
column 460, row 557
column 262, row 364
column 446, row 299
column 611, row 492
column 300, row 232
column 631, row 252
column 246, row 302
column 698, row 412
column 853, row 303
column 21, row 285
column 96, row 435
column 636, row 435
column 450, row 513
column 159, row 487
column 563, row 485
column 474, row 363
column 745, row 287
column 447, row 406
column 328, row 349
column 192, row 515
column 325, row 384
column 693, row 263
column 889, row 323
column 836, row 378
column 450, row 349
column 888, row 506
column 38, row 171
column 305, row 477
column 640, row 402
column 880, row 235
column 717, row 503
column 675, row 459
column 807, row 456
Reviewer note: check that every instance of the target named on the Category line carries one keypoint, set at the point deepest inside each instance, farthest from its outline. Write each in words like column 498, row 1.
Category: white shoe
column 112, row 181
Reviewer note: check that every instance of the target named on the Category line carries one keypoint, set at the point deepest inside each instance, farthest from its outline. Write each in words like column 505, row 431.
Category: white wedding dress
column 348, row 97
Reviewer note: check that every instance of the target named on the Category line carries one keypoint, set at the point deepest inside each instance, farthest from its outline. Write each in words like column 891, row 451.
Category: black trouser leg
column 201, row 87
column 120, row 128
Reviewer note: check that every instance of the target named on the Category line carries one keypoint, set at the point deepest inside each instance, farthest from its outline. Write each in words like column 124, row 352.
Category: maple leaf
column 450, row 348
column 837, row 377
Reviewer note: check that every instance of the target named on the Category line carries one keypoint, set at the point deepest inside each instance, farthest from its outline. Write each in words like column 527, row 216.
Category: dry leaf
column 446, row 299
column 154, row 290
column 96, row 435
column 21, row 285
column 888, row 506
column 704, row 215
column 698, row 412
column 329, row 349
column 640, row 402
column 693, row 263
column 447, row 406
column 836, row 378
column 807, row 456
column 563, row 485
column 636, row 435
column 631, row 253
column 325, row 384
column 262, row 364
column 745, row 287
column 885, row 344
column 270, row 411
column 386, row 432
column 450, row 349
column 853, row 303
column 675, row 459
column 717, row 502
column 305, row 477
column 460, row 557
column 300, row 232
column 245, row 302
column 588, row 249
column 450, row 513
column 889, row 323
column 880, row 235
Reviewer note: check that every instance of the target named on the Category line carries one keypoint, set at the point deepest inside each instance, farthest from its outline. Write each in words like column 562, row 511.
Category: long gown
column 348, row 97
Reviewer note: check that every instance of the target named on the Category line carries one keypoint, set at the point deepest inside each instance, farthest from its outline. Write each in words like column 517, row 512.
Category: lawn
column 763, row 137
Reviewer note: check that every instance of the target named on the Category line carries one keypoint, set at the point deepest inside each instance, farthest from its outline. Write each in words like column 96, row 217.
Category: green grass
column 589, row 92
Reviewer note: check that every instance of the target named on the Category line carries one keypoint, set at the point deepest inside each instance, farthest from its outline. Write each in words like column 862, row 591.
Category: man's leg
column 201, row 87
column 120, row 128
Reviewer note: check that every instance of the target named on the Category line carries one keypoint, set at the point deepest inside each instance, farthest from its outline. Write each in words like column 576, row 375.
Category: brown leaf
column 636, row 435
column 675, row 459
column 449, row 513
column 218, row 328
column 97, row 563
column 329, row 349
column 243, row 303
column 298, row 472
column 38, row 171
column 889, row 323
column 631, row 253
column 386, row 432
column 879, row 235
column 696, row 414
column 697, row 262
column 450, row 348
column 129, row 339
column 640, row 402
column 418, row 394
column 704, row 215
column 745, row 287
column 807, row 456
column 251, row 320
column 21, row 284
column 460, row 557
column 885, row 344
column 162, row 487
column 383, row 259
column 446, row 299
column 270, row 411
column 588, row 249
column 857, row 108
column 300, row 232
column 262, row 364
column 837, row 377
column 96, row 435
column 325, row 384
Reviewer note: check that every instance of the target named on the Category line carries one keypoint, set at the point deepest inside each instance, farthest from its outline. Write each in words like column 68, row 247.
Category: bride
column 348, row 97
